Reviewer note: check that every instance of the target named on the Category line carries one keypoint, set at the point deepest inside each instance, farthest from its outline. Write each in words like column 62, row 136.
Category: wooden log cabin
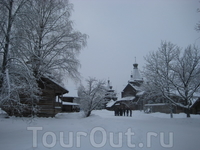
column 49, row 104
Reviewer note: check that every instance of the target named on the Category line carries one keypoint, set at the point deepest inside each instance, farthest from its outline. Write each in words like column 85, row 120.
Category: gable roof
column 136, row 88
column 48, row 82
column 140, row 93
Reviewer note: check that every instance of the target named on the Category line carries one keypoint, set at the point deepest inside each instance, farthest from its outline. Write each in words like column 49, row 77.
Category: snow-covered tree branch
column 36, row 39
column 174, row 73
column 91, row 95
column 50, row 44
column 16, row 80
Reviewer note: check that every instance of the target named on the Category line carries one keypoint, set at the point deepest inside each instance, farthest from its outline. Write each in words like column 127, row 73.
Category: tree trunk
column 87, row 113
column 171, row 109
column 6, row 46
column 188, row 112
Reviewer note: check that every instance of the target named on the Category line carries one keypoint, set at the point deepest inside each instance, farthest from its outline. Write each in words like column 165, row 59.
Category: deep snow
column 102, row 130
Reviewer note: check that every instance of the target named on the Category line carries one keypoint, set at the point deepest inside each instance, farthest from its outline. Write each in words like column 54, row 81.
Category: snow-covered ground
column 102, row 130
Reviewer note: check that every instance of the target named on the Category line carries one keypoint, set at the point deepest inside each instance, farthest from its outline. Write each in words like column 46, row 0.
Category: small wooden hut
column 48, row 105
column 68, row 104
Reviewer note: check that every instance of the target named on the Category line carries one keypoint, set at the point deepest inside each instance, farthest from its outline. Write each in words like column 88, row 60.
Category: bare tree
column 152, row 93
column 48, row 41
column 16, row 80
column 9, row 12
column 36, row 38
column 186, row 73
column 158, row 66
column 175, row 74
column 91, row 95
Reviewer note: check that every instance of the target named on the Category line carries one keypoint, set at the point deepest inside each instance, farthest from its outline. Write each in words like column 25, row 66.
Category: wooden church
column 131, row 94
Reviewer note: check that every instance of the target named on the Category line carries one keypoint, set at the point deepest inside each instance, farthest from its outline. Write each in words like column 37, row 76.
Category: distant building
column 110, row 95
column 164, row 107
column 68, row 104
column 131, row 93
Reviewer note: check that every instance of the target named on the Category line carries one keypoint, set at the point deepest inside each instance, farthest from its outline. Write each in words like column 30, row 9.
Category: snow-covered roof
column 69, row 103
column 137, row 88
column 70, row 95
column 129, row 98
column 110, row 103
column 140, row 93
column 157, row 104
column 135, row 76
column 56, row 83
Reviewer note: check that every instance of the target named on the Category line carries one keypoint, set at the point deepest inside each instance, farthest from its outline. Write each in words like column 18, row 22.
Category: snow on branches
column 174, row 74
column 91, row 95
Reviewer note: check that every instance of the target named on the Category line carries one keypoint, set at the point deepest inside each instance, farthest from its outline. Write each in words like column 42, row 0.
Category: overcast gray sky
column 120, row 30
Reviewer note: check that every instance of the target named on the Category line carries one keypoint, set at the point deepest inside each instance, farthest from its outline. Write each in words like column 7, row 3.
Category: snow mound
column 3, row 114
